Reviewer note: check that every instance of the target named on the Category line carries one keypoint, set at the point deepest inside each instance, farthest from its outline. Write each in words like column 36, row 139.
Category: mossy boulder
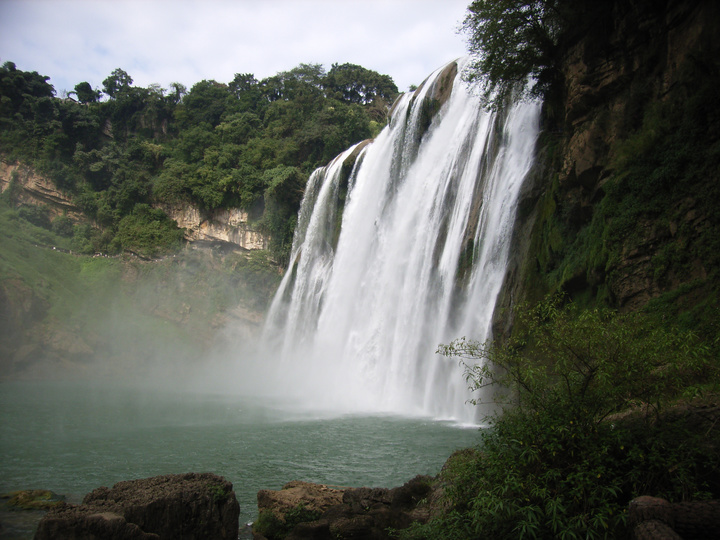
column 33, row 499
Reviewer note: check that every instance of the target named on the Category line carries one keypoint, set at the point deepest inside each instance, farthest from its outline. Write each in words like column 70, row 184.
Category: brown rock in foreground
column 312, row 511
column 653, row 518
column 178, row 506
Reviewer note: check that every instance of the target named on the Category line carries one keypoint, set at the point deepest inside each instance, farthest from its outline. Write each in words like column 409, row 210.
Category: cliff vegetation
column 120, row 151
column 605, row 365
column 88, row 180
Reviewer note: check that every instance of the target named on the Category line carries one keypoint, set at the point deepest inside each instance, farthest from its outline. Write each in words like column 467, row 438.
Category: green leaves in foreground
column 592, row 363
column 586, row 427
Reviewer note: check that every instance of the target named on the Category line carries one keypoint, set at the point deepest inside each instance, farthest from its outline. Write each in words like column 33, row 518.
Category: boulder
column 180, row 506
column 653, row 518
column 304, row 511
column 313, row 497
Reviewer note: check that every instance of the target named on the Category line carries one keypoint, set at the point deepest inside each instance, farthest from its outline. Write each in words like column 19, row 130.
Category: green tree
column 512, row 41
column 248, row 91
column 118, row 81
column 355, row 84
column 177, row 91
column 85, row 93
column 149, row 232
column 206, row 103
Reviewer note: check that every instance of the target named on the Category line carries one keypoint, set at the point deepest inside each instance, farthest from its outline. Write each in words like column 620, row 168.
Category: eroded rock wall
column 231, row 225
column 33, row 188
column 643, row 58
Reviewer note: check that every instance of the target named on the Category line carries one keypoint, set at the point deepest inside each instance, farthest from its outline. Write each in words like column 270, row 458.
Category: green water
column 71, row 438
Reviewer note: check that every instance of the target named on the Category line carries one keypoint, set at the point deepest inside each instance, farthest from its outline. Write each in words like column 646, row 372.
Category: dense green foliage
column 217, row 145
column 560, row 461
column 515, row 42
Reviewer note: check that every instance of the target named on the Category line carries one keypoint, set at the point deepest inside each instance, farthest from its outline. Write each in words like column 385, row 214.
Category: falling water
column 401, row 245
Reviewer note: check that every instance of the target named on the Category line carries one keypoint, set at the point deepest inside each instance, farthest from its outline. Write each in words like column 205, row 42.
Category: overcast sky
column 164, row 41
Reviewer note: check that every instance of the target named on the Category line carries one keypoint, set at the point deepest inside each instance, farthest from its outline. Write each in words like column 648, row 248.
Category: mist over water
column 72, row 437
column 425, row 220
column 401, row 245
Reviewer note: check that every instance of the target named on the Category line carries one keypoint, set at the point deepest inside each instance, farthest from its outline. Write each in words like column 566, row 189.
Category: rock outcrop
column 231, row 225
column 33, row 188
column 653, row 518
column 311, row 511
column 183, row 506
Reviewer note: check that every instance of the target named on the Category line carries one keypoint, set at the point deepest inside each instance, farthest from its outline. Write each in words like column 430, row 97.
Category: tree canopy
column 516, row 43
column 217, row 145
column 512, row 41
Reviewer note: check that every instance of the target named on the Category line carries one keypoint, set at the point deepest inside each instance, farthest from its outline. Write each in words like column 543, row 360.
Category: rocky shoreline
column 187, row 506
column 203, row 505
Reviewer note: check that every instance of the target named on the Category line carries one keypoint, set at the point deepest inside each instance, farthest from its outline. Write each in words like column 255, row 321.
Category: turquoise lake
column 73, row 437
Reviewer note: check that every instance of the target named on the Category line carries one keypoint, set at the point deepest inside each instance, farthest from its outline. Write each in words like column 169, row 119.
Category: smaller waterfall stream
column 401, row 245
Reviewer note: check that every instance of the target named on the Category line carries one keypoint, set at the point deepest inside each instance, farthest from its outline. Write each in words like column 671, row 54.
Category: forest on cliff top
column 607, row 405
column 120, row 151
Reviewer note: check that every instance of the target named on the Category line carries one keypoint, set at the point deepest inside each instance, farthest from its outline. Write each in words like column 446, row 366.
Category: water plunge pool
column 74, row 437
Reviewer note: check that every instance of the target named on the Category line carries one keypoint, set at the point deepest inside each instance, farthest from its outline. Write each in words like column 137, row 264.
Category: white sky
column 186, row 41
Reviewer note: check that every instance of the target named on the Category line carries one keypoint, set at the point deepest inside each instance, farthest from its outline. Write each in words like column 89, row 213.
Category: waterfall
column 402, row 244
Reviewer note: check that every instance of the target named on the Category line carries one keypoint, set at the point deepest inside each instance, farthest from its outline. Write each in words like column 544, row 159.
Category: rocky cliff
column 231, row 225
column 621, row 210
column 226, row 225
column 65, row 314
column 30, row 187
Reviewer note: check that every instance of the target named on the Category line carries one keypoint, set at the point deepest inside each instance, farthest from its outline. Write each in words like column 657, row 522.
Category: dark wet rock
column 181, row 506
column 362, row 513
column 652, row 518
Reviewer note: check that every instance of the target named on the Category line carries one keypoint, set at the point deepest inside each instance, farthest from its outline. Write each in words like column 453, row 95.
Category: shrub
column 560, row 462
column 63, row 226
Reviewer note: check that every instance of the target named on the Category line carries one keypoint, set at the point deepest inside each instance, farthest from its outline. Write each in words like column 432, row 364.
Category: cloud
column 164, row 41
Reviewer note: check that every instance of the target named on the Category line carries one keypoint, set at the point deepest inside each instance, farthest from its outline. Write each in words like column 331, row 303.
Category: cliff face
column 33, row 188
column 619, row 212
column 231, row 225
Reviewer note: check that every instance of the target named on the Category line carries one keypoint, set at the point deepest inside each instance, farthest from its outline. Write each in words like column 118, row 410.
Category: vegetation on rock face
column 658, row 203
column 121, row 315
column 613, row 395
column 273, row 527
column 216, row 145
column 587, row 427
column 34, row 499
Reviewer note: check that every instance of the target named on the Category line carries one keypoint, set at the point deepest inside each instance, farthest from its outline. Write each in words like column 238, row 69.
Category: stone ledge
column 189, row 506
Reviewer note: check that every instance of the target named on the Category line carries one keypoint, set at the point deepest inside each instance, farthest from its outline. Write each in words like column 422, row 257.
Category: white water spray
column 401, row 245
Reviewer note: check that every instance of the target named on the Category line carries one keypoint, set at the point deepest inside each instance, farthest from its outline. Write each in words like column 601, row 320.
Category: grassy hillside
column 103, row 315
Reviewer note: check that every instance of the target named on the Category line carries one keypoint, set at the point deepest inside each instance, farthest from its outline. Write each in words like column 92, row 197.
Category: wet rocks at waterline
column 303, row 510
column 188, row 506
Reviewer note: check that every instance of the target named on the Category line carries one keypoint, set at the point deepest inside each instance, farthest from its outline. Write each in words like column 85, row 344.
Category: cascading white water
column 358, row 317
